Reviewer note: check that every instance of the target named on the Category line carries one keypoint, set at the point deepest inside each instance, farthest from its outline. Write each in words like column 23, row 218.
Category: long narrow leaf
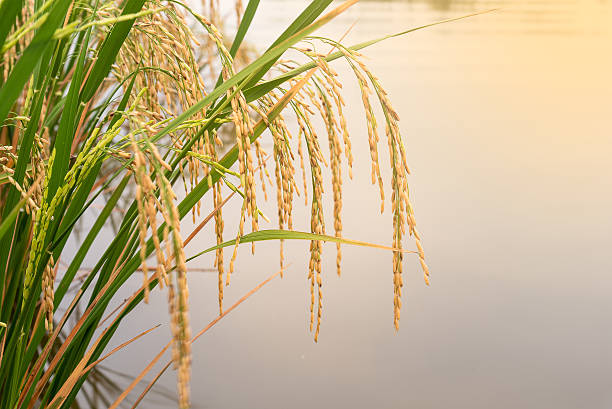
column 109, row 50
column 31, row 56
column 275, row 234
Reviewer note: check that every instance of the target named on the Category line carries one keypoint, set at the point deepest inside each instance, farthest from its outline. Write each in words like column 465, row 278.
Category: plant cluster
column 147, row 102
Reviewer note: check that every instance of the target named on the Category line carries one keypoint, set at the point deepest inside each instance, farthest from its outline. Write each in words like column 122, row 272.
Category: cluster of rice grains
column 164, row 40
column 169, row 59
column 322, row 95
column 32, row 188
column 19, row 38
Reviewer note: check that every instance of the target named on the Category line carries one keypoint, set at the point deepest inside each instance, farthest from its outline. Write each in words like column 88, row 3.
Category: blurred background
column 507, row 120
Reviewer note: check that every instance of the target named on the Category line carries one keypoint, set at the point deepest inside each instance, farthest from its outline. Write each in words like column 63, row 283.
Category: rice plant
column 149, row 101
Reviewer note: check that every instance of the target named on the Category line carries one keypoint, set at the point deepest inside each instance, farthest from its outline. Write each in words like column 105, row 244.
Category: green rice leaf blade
column 275, row 234
column 109, row 50
column 7, row 223
column 22, row 70
column 9, row 11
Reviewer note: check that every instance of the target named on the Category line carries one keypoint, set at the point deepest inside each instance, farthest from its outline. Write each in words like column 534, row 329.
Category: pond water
column 507, row 120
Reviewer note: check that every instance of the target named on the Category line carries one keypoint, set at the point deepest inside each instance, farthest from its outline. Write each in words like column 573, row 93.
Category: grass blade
column 21, row 72
column 109, row 50
column 275, row 234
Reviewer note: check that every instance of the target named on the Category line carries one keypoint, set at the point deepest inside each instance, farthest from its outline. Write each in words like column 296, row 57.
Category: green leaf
column 307, row 16
column 263, row 235
column 9, row 9
column 67, row 126
column 109, row 50
column 21, row 72
column 7, row 223
column 245, row 23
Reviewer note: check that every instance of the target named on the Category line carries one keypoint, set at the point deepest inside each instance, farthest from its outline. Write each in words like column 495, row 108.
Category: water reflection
column 446, row 4
column 564, row 17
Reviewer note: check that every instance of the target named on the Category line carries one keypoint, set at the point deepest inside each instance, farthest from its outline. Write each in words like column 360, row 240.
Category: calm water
column 507, row 118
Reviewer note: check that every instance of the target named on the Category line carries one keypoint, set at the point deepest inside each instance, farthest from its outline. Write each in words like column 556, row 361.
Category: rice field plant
column 148, row 106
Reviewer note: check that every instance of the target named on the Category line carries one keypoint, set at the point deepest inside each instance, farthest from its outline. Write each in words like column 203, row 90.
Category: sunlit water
column 507, row 119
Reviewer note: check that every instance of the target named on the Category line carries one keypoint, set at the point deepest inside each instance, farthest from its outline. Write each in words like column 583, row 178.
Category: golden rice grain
column 48, row 293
